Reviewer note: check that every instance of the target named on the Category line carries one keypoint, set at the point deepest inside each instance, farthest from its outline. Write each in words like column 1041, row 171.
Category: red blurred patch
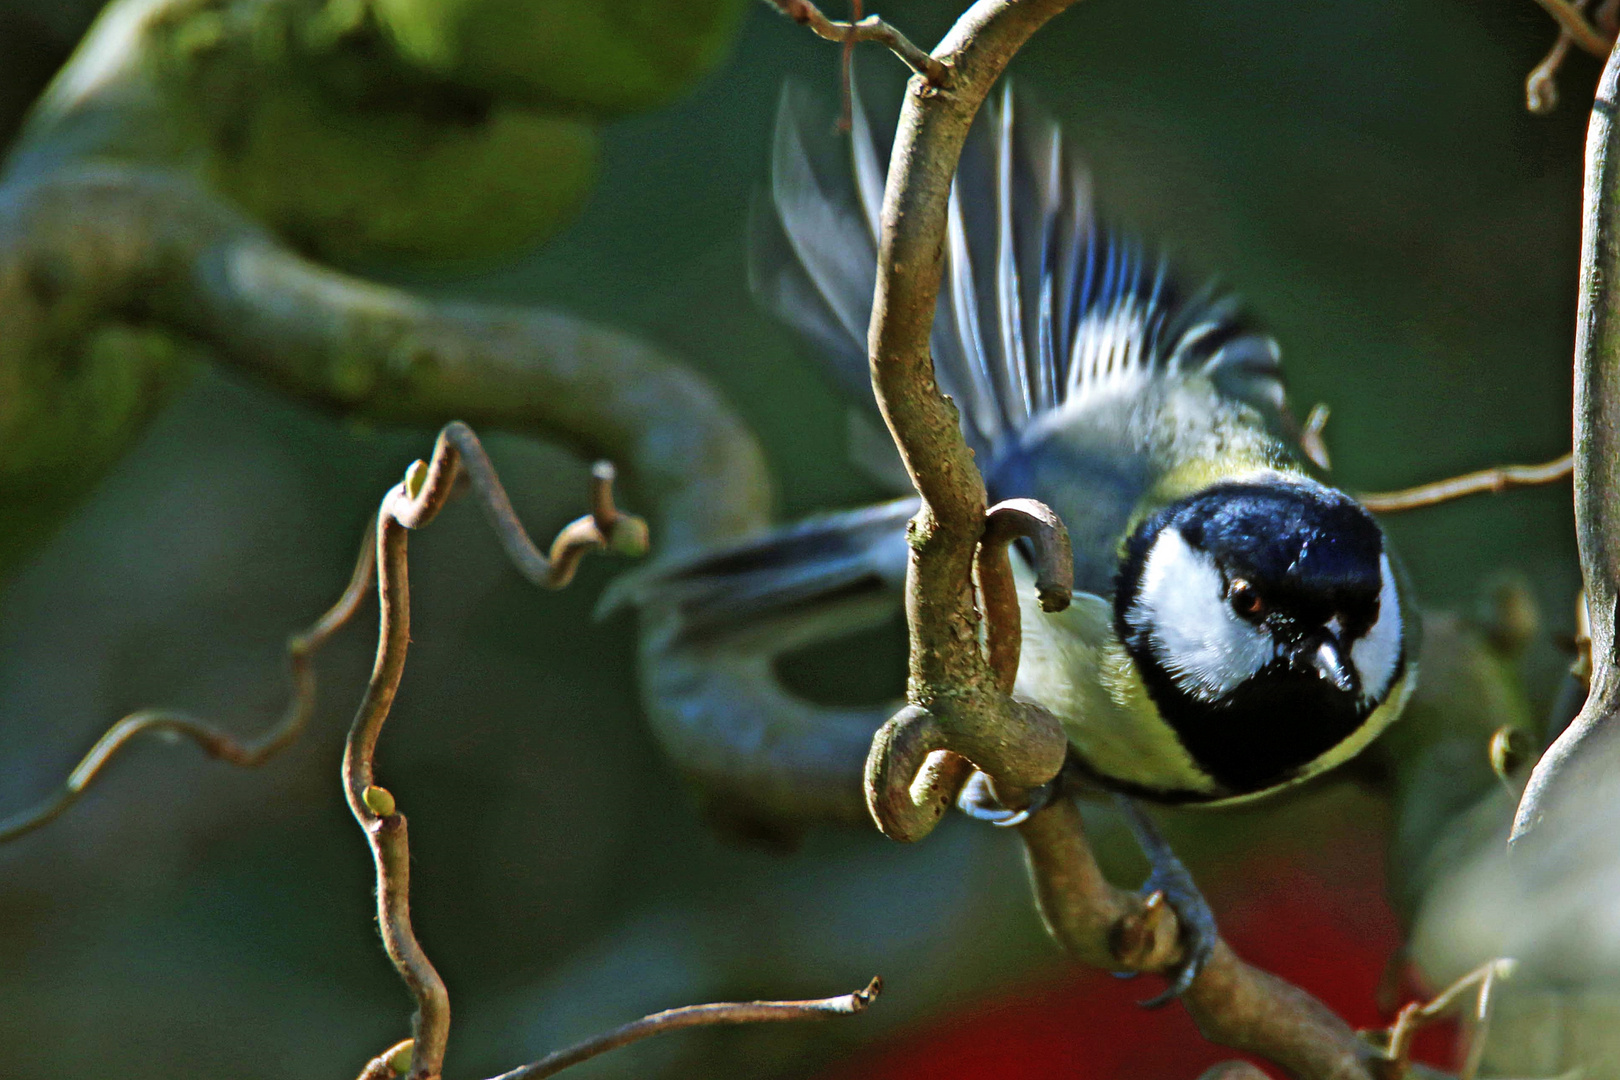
column 1333, row 941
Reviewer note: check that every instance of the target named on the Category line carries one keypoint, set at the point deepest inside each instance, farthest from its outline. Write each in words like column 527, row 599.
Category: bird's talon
column 1169, row 885
column 978, row 801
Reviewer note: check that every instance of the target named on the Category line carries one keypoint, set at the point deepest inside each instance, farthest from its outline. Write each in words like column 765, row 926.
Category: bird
column 1238, row 625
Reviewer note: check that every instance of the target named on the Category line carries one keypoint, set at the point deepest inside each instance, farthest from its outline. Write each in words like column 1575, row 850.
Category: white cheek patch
column 1201, row 642
column 1377, row 652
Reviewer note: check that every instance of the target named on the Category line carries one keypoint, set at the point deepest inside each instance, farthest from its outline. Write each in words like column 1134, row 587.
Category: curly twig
column 1485, row 481
column 409, row 505
column 1541, row 85
column 301, row 649
column 1016, row 519
column 958, row 699
column 396, row 1060
column 870, row 28
column 1572, row 22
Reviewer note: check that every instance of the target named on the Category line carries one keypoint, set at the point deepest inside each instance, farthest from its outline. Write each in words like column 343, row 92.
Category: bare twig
column 870, row 28
column 1583, row 754
column 301, row 649
column 1541, row 86
column 1397, row 1048
column 1054, row 576
column 747, row 1012
column 958, row 699
column 1310, row 437
column 1572, row 22
column 1485, row 481
column 409, row 505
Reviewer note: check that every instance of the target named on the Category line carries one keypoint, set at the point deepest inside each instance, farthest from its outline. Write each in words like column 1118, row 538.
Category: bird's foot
column 978, row 800
column 1170, row 879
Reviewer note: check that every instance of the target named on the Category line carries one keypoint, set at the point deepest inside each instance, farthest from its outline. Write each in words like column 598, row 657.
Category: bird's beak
column 1328, row 660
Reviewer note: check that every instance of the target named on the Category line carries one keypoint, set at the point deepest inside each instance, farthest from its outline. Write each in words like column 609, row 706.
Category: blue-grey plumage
column 1238, row 625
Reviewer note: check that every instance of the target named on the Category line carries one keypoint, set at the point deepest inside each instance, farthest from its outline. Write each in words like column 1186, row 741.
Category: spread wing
column 1041, row 305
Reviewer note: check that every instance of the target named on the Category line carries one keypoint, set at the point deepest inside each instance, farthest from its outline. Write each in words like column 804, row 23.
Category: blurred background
column 1365, row 174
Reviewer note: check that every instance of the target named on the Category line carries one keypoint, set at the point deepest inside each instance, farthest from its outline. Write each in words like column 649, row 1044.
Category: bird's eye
column 1245, row 599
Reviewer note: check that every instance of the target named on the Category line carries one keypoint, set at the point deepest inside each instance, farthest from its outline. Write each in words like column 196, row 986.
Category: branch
column 1233, row 1003
column 1585, row 751
column 1541, row 85
column 748, row 1012
column 1572, row 22
column 1485, row 481
column 410, row 505
column 1397, row 1050
column 959, row 706
column 117, row 240
column 870, row 28
column 301, row 649
column 956, row 701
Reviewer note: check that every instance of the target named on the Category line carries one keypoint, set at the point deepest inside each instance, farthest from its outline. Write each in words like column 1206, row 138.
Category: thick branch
column 1587, row 749
column 1233, row 1003
column 112, row 240
column 951, row 683
column 959, row 700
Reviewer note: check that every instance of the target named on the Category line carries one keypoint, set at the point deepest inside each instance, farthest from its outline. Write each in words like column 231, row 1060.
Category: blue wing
column 1041, row 305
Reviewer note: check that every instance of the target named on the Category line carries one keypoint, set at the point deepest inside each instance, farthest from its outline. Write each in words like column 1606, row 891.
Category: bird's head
column 1266, row 623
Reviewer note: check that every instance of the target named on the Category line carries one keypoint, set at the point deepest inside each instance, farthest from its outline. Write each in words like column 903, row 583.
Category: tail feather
column 782, row 582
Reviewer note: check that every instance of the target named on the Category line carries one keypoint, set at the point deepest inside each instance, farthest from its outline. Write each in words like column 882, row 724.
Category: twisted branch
column 251, row 753
column 959, row 707
column 408, row 506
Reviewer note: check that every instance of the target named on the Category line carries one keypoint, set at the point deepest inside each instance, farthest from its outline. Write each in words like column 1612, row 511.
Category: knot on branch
column 923, row 755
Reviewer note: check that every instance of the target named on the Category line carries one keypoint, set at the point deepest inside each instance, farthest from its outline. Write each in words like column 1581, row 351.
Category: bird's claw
column 1170, row 880
column 978, row 801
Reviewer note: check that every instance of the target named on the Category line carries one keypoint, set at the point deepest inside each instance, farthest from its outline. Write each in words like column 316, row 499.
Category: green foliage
column 352, row 184
column 602, row 57
column 357, row 130
column 309, row 121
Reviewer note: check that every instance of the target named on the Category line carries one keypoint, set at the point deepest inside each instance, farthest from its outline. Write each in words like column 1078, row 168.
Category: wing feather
column 1041, row 305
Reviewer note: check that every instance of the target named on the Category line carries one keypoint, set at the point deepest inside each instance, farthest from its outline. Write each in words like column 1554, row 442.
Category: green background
column 1365, row 174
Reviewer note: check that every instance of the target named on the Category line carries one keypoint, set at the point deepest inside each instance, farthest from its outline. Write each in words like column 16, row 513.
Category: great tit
column 1238, row 626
